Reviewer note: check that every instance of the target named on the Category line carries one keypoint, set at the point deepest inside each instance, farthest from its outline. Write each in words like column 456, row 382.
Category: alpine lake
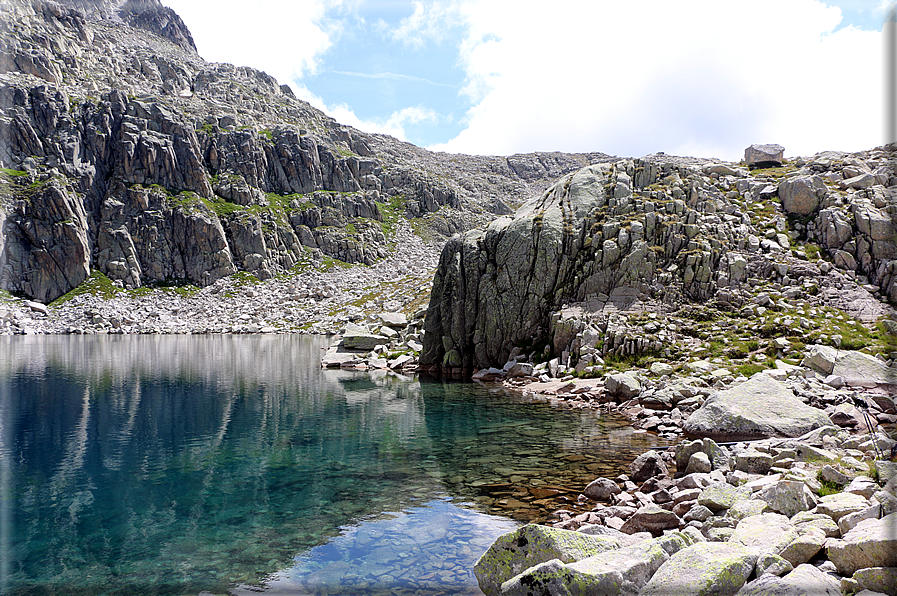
column 217, row 464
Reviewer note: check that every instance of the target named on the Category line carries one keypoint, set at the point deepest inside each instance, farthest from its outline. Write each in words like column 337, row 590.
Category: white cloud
column 697, row 77
column 429, row 22
column 285, row 39
column 393, row 125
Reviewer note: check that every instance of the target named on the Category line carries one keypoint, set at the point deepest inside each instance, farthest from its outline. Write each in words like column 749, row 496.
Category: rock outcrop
column 656, row 234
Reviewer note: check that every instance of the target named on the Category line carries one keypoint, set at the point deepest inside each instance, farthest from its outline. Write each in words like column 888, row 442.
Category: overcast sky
column 688, row 77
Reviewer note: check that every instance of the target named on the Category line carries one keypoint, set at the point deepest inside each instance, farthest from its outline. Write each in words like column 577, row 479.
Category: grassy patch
column 390, row 213
column 96, row 284
column 12, row 173
column 828, row 488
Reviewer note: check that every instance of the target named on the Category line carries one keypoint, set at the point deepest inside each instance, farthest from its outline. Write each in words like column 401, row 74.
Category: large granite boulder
column 760, row 407
column 717, row 568
column 766, row 533
column 802, row 195
column 764, row 155
column 859, row 369
column 530, row 545
column 356, row 337
column 872, row 543
column 623, row 571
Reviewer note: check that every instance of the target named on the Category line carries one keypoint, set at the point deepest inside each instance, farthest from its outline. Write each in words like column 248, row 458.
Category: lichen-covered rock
column 806, row 519
column 747, row 508
column 516, row 551
column 788, row 497
column 805, row 580
column 838, row 505
column 760, row 407
column 804, row 547
column 771, row 564
column 718, row 568
column 765, row 533
column 720, row 496
column 877, row 579
column 623, row 571
column 872, row 543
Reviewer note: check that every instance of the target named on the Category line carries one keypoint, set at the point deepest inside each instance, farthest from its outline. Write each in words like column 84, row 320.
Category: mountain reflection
column 181, row 464
column 173, row 463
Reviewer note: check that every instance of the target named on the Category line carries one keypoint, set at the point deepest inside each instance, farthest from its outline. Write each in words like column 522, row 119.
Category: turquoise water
column 234, row 464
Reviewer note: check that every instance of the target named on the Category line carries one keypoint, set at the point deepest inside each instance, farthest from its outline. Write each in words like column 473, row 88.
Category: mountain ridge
column 121, row 127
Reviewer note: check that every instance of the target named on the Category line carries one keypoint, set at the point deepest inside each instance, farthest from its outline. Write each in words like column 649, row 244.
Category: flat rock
column 394, row 319
column 703, row 569
column 651, row 518
column 358, row 338
column 760, row 407
column 838, row 505
column 872, row 543
column 765, row 533
column 859, row 369
column 516, row 551
column 805, row 580
column 763, row 155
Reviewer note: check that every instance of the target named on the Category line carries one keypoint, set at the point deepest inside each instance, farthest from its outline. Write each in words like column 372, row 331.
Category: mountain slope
column 125, row 152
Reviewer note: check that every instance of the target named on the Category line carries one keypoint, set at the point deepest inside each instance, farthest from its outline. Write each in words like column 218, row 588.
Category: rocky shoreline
column 815, row 514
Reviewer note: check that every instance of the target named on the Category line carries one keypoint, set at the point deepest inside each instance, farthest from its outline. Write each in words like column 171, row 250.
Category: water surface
column 232, row 464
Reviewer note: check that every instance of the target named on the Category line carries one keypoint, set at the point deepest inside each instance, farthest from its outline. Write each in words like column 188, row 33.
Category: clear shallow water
column 224, row 464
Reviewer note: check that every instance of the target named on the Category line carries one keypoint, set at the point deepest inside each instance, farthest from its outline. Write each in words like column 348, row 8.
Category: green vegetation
column 828, row 487
column 96, row 284
column 12, row 173
column 390, row 213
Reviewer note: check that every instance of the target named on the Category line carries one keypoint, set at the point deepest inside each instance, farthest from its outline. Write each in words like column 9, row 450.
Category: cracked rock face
column 654, row 234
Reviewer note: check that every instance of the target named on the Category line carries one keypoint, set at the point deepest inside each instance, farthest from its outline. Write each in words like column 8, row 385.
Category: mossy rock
column 531, row 545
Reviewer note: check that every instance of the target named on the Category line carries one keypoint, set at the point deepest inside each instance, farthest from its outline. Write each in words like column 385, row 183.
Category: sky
column 496, row 77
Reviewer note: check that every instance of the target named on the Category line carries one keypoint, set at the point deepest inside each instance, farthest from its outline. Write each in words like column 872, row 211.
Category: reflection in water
column 427, row 549
column 179, row 464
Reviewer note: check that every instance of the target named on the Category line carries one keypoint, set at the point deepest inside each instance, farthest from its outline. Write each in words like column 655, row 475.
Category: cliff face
column 659, row 233
column 123, row 151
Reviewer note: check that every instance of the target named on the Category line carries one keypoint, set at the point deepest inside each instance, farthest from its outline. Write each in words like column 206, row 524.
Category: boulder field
column 815, row 514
